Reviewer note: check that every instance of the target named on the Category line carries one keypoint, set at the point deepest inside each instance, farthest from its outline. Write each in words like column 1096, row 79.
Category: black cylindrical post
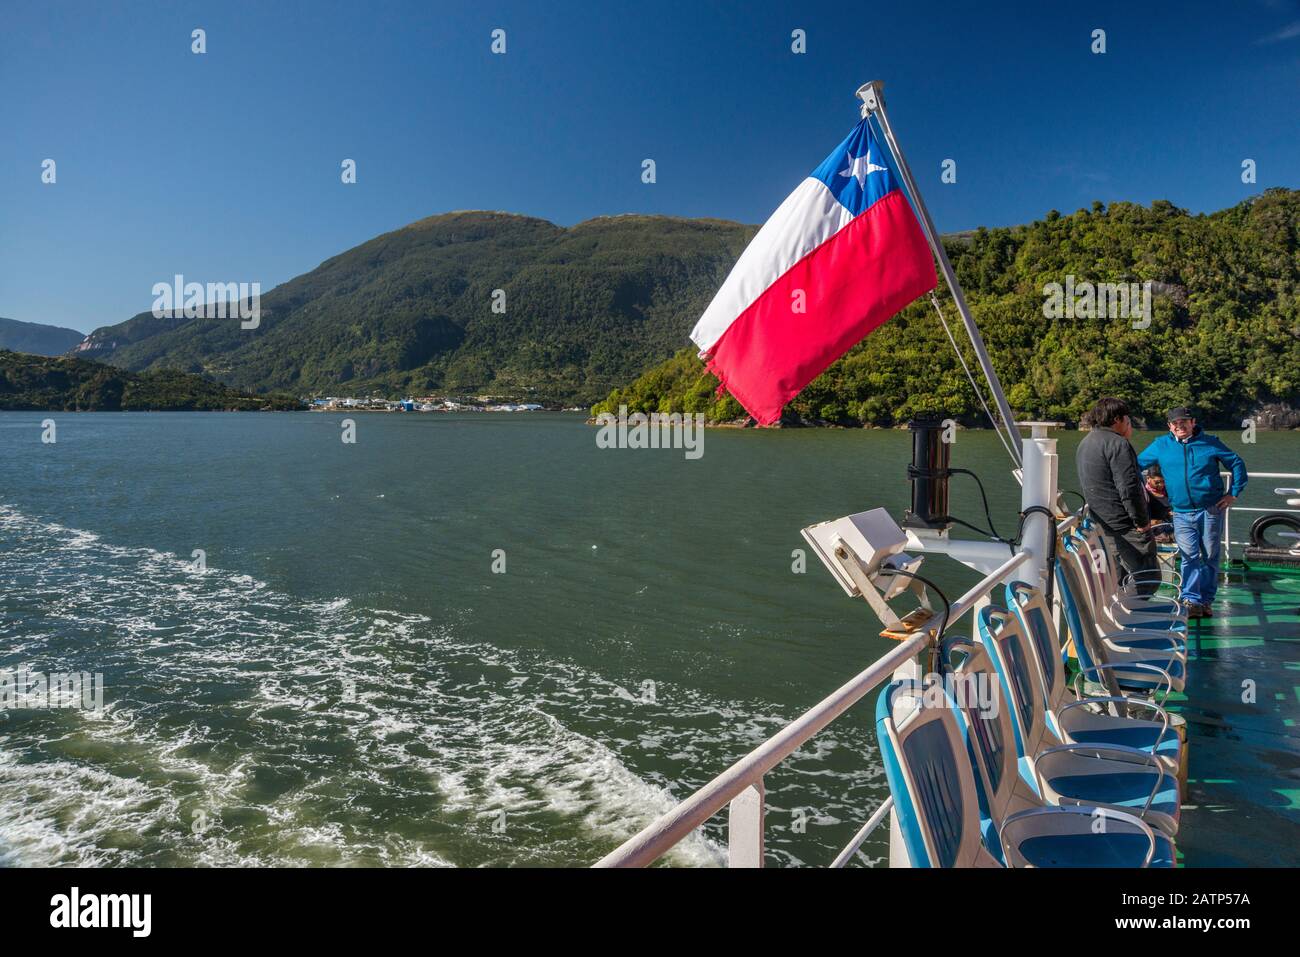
column 928, row 473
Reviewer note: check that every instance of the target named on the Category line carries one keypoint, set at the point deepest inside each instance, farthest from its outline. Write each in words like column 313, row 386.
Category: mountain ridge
column 599, row 312
column 37, row 338
column 1224, row 331
column 586, row 307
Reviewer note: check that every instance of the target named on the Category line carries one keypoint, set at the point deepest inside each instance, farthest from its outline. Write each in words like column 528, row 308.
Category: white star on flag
column 860, row 167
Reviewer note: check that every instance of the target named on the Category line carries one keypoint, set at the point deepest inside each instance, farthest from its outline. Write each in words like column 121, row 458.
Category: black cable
column 1051, row 548
column 976, row 528
column 915, row 473
column 988, row 517
column 991, row 532
column 1073, row 492
column 947, row 605
column 1012, row 543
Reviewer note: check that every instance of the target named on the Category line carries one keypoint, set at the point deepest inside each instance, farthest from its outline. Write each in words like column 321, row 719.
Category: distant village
column 428, row 404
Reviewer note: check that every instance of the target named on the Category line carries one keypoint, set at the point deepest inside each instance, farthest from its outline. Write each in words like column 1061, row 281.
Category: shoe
column 1204, row 611
column 1196, row 609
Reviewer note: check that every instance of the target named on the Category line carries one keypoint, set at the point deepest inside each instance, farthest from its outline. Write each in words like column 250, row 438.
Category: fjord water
column 351, row 683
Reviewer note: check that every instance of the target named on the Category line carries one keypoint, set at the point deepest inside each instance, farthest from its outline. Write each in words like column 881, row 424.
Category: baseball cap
column 1179, row 412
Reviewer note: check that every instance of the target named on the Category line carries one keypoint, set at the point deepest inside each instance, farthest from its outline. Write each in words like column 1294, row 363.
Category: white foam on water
column 64, row 813
column 254, row 707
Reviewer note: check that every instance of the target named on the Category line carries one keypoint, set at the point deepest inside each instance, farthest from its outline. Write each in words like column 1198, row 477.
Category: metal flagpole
column 873, row 101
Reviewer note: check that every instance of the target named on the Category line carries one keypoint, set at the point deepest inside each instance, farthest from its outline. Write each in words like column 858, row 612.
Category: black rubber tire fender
column 1276, row 521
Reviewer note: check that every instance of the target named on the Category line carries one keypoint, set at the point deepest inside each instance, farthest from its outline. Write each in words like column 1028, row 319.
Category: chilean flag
column 841, row 255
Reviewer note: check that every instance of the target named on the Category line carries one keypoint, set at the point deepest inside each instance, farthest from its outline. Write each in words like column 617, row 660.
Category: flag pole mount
column 873, row 102
column 871, row 94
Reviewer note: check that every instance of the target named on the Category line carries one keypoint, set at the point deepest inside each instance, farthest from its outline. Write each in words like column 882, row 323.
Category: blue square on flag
column 859, row 171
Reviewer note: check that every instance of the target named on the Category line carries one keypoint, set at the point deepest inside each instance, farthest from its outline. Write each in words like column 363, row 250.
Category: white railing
column 1227, row 518
column 741, row 785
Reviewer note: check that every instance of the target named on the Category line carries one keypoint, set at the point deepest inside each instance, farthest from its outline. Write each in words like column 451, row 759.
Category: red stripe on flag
column 852, row 283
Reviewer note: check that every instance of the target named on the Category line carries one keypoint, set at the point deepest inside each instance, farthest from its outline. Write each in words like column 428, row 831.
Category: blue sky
column 225, row 166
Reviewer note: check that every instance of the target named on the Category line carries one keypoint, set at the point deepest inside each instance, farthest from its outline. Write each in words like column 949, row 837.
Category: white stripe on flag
column 808, row 217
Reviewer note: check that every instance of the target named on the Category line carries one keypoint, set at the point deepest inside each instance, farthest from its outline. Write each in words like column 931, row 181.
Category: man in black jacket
column 1112, row 485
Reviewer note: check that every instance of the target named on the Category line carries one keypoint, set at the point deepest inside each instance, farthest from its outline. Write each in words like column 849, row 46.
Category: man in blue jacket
column 1190, row 460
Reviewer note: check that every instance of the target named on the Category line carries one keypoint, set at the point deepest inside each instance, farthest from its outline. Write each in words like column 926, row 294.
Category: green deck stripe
column 1239, row 809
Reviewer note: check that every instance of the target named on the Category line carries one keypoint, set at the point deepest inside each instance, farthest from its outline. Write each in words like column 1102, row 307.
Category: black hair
column 1106, row 413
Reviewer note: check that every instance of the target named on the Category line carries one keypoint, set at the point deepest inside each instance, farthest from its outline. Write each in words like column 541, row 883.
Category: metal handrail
column 851, row 848
column 660, row 836
column 878, row 816
column 1227, row 517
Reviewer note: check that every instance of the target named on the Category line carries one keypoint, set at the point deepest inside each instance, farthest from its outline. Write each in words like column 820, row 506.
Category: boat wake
column 243, row 726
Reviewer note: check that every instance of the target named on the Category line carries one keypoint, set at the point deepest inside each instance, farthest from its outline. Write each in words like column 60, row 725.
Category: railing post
column 745, row 827
column 1039, row 490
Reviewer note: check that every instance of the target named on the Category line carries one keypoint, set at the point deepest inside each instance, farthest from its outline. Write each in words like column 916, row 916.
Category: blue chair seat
column 1123, row 789
column 1135, row 737
column 1087, row 850
column 1158, row 645
column 1173, row 666
column 1157, row 624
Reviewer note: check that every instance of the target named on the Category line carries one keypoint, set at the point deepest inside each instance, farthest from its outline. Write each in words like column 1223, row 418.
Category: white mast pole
column 873, row 101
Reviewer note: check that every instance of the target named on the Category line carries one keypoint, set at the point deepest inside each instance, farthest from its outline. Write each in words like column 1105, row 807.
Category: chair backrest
column 1089, row 529
column 1078, row 614
column 930, row 777
column 1077, row 561
column 1114, row 570
column 1104, row 572
column 990, row 737
column 1013, row 657
column 1035, row 618
column 1084, row 562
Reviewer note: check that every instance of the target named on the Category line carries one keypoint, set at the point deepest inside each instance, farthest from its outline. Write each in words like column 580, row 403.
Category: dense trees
column 1224, row 332
column 590, row 308
column 581, row 310
column 74, row 385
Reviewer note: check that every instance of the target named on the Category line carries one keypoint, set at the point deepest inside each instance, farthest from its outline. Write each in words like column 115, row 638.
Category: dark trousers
column 1136, row 551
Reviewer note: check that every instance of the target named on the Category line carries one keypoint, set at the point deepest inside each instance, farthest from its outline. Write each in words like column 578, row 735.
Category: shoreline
column 748, row 424
column 735, row 425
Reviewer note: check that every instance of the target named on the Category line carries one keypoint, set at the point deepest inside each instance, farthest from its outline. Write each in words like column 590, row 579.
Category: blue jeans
column 1199, row 535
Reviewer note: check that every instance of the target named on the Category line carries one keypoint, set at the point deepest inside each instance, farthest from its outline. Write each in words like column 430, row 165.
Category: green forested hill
column 36, row 338
column 586, row 309
column 1224, row 333
column 64, row 384
column 590, row 308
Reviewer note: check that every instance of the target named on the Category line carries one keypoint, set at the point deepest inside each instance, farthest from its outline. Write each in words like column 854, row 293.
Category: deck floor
column 1242, row 806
